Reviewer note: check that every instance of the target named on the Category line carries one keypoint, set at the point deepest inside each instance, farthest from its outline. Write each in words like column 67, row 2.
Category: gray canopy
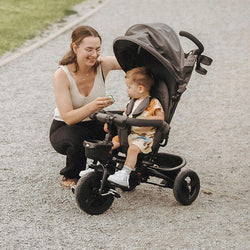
column 156, row 46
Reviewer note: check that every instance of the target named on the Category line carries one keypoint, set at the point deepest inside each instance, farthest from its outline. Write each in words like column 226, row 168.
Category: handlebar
column 144, row 122
column 120, row 120
column 194, row 40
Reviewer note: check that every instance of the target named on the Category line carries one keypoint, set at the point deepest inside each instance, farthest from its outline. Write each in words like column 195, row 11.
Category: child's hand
column 106, row 127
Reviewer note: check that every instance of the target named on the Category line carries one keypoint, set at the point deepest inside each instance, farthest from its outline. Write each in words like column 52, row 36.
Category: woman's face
column 88, row 50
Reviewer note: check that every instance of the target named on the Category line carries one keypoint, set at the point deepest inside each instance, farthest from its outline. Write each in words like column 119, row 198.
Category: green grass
column 21, row 20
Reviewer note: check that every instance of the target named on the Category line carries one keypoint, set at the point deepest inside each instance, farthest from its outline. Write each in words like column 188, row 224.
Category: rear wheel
column 186, row 187
column 88, row 197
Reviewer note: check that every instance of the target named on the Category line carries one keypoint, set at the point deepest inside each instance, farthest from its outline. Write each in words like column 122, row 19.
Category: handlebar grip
column 193, row 39
column 107, row 117
column 102, row 117
column 144, row 122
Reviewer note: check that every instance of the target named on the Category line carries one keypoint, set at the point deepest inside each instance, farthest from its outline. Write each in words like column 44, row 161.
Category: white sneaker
column 121, row 177
column 84, row 172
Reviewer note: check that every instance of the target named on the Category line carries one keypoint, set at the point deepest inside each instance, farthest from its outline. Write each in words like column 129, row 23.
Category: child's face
column 133, row 89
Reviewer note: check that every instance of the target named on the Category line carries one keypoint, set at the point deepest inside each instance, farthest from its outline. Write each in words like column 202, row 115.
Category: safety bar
column 121, row 120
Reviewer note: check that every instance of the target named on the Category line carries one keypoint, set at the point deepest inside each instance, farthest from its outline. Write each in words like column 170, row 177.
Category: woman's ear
column 74, row 47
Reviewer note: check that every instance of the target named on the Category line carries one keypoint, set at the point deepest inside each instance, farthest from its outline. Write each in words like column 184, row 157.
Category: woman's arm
column 64, row 103
column 109, row 63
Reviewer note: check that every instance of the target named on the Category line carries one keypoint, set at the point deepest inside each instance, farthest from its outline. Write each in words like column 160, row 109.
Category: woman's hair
column 77, row 36
column 141, row 76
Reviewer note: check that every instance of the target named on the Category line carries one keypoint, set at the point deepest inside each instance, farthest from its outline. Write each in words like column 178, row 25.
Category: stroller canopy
column 156, row 46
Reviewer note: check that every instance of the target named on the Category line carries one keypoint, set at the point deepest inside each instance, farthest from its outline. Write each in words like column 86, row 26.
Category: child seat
column 157, row 47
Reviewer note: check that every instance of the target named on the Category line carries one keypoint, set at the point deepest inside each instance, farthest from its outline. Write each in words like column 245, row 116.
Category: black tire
column 88, row 197
column 186, row 187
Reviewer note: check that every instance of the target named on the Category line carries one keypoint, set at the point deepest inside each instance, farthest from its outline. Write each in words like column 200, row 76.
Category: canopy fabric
column 153, row 45
column 157, row 47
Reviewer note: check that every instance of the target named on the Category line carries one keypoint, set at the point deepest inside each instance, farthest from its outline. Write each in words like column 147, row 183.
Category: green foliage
column 24, row 19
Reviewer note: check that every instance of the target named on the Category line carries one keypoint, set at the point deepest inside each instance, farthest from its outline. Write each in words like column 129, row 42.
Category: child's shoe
column 121, row 177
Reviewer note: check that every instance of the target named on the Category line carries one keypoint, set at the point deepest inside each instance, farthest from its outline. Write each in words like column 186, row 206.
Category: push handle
column 200, row 58
column 194, row 40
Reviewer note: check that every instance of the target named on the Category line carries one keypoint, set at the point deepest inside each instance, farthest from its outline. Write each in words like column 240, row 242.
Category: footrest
column 112, row 192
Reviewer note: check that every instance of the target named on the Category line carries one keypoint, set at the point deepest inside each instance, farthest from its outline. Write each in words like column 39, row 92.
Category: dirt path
column 210, row 129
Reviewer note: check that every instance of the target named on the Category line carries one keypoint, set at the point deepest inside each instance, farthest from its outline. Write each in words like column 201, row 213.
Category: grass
column 21, row 20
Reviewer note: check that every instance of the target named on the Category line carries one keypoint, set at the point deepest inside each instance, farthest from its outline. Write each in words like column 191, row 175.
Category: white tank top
column 78, row 100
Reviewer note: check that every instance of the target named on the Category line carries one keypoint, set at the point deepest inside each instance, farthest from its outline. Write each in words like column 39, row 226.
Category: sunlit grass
column 24, row 19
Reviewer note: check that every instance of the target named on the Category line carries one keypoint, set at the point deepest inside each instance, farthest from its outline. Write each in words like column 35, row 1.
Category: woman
column 79, row 91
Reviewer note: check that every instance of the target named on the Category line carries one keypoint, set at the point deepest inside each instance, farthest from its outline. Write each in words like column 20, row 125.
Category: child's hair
column 141, row 76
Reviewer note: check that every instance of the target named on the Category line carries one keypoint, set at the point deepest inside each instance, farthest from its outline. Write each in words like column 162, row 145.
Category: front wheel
column 186, row 187
column 88, row 197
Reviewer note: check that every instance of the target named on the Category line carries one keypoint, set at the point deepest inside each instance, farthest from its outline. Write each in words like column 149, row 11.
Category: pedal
column 163, row 183
column 116, row 195
column 112, row 192
column 119, row 186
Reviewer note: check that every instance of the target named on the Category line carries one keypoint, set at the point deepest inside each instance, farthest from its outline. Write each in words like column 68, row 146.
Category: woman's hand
column 102, row 102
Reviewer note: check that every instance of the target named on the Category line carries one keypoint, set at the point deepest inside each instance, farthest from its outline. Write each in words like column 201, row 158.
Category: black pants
column 68, row 140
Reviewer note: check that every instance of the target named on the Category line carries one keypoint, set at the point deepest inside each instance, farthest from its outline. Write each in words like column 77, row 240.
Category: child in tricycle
column 139, row 82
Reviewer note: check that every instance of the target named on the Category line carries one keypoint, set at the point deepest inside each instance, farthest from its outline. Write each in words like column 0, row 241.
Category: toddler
column 139, row 82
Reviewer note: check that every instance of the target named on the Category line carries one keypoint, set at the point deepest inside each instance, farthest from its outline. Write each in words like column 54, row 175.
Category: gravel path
column 210, row 129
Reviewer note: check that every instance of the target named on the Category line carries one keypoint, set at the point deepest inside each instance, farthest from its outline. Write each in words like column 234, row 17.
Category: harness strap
column 141, row 107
